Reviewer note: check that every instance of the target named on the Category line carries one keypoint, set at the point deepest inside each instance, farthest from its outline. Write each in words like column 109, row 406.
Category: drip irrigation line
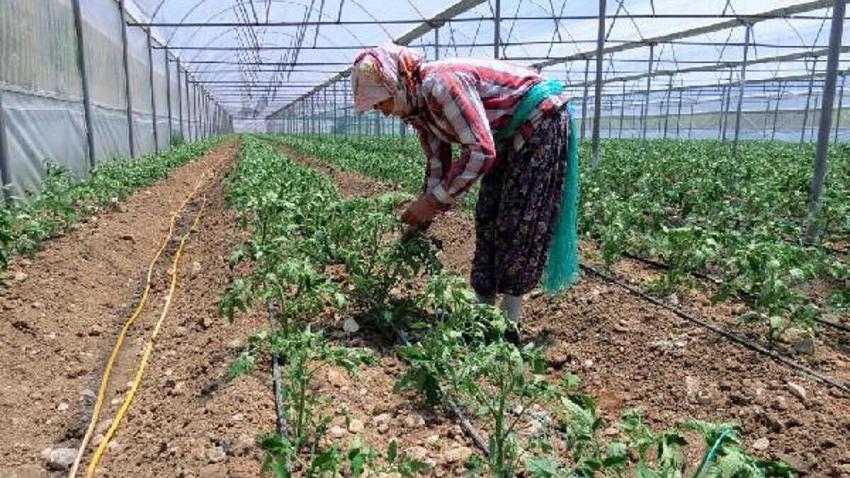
column 148, row 350
column 720, row 331
column 280, row 409
column 113, row 356
column 742, row 294
column 464, row 422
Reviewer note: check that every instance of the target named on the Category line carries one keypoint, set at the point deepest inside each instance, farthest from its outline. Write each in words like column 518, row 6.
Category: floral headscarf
column 386, row 71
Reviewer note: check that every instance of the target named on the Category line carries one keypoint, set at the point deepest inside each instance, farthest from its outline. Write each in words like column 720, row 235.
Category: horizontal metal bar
column 708, row 16
column 476, row 45
column 776, row 13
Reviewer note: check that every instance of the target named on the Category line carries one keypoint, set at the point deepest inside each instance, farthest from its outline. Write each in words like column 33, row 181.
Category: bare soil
column 633, row 354
column 59, row 325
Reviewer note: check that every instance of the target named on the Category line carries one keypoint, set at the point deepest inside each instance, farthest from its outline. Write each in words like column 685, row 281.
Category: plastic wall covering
column 41, row 89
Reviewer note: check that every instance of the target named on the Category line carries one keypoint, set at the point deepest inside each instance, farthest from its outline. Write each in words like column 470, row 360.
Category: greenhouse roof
column 256, row 57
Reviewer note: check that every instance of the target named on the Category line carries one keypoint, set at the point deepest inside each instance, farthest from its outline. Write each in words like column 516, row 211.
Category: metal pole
column 720, row 115
column 815, row 117
column 584, row 98
column 188, row 107
column 742, row 84
column 776, row 112
column 667, row 105
column 728, row 104
column 333, row 130
column 81, row 65
column 168, row 96
column 648, row 86
column 597, row 95
column 820, row 165
column 180, row 99
column 691, row 122
column 838, row 114
column 808, row 100
column 622, row 111
column 153, row 96
column 679, row 114
column 194, row 118
column 497, row 23
column 437, row 43
column 5, row 177
column 128, row 96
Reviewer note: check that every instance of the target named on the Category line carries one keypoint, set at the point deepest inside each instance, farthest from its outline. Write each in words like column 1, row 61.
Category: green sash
column 562, row 265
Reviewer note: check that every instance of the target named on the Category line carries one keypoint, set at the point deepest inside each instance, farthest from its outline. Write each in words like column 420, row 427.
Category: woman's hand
column 422, row 211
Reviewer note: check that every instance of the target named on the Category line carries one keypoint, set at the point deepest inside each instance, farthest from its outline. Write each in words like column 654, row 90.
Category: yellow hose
column 104, row 383
column 140, row 370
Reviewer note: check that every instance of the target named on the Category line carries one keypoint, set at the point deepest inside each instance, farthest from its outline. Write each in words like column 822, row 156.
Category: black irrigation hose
column 714, row 328
column 464, row 422
column 716, row 281
column 280, row 409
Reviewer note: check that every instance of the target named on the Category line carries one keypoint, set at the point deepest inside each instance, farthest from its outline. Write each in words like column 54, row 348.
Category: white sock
column 512, row 306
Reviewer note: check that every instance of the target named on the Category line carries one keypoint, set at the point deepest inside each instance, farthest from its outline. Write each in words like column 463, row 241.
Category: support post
column 128, row 96
column 168, row 96
column 742, row 84
column 153, row 93
column 5, row 177
column 622, row 111
column 667, row 105
column 838, row 113
column 691, row 122
column 720, row 112
column 497, row 23
column 180, row 99
column 437, row 43
column 334, row 94
column 597, row 96
column 776, row 112
column 584, row 98
column 820, row 165
column 84, row 81
column 648, row 86
column 808, row 100
column 188, row 107
column 814, row 117
column 766, row 112
column 679, row 114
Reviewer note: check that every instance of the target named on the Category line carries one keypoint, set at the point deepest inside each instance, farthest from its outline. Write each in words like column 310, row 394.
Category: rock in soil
column 761, row 444
column 355, row 426
column 59, row 458
column 797, row 390
column 216, row 454
column 337, row 431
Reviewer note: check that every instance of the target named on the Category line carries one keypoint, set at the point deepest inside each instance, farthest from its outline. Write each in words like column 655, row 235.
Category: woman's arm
column 453, row 96
column 438, row 158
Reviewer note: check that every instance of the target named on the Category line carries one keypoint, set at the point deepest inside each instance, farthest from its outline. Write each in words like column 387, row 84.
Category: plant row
column 62, row 200
column 690, row 204
column 319, row 259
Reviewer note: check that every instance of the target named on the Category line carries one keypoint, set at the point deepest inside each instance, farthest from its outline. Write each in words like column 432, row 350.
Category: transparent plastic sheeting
column 41, row 99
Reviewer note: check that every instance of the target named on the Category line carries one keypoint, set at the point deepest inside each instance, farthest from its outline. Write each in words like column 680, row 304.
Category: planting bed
column 634, row 354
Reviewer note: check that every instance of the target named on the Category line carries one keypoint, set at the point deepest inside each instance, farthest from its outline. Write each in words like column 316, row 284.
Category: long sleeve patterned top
column 463, row 101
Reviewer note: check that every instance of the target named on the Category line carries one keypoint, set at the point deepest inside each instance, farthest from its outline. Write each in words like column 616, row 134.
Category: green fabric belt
column 562, row 264
column 527, row 104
